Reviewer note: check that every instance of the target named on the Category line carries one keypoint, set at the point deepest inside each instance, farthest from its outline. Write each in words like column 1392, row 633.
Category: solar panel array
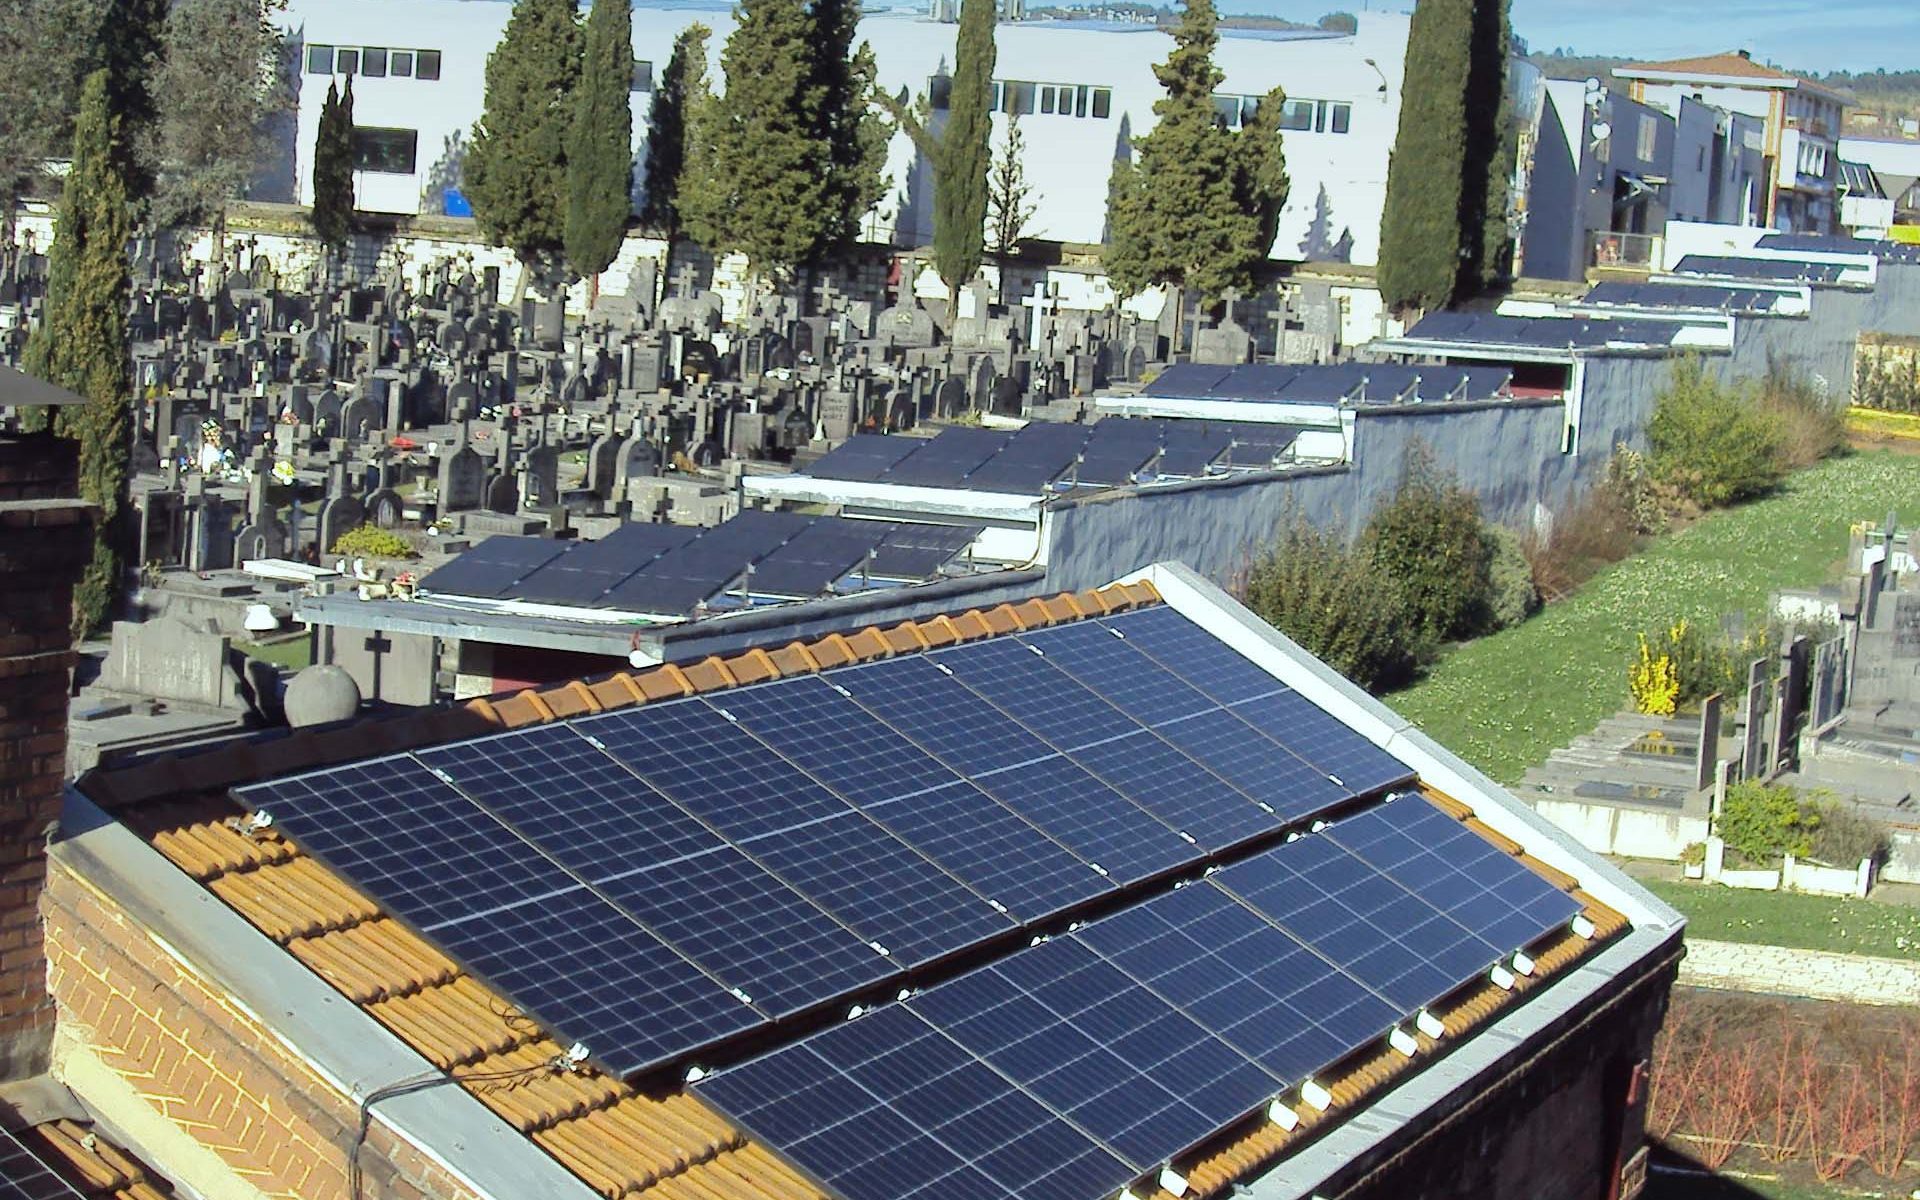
column 1778, row 270
column 1121, row 1046
column 1045, row 456
column 1545, row 333
column 670, row 569
column 23, row 1176
column 1701, row 297
column 1333, row 383
column 655, row 880
column 1880, row 248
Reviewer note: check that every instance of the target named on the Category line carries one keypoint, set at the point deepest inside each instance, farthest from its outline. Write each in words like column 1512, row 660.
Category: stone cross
column 684, row 280
column 1229, row 297
column 1042, row 303
column 825, row 295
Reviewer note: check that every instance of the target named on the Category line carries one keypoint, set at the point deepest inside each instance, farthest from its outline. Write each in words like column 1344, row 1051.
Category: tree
column 683, row 86
column 1200, row 204
column 1339, row 21
column 852, row 135
column 517, row 162
column 214, row 89
column 1492, row 147
column 1008, row 207
column 1421, row 239
column 40, row 71
column 600, row 152
column 81, row 346
column 332, row 214
column 960, row 150
column 755, row 180
column 1337, row 604
column 128, row 43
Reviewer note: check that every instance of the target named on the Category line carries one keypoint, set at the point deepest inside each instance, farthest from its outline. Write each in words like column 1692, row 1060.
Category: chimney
column 1746, row 54
column 45, row 543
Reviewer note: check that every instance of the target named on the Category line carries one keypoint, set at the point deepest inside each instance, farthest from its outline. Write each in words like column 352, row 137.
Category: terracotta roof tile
column 92, row 1164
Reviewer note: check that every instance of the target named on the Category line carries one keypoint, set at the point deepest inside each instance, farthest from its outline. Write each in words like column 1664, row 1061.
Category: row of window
column 373, row 62
column 1300, row 116
column 1022, row 98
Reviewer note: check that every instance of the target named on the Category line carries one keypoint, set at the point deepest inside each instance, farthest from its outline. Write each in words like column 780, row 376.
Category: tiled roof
column 93, row 1165
column 620, row 1140
column 1730, row 65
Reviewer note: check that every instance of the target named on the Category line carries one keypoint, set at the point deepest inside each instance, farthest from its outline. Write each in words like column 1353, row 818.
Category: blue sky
column 1809, row 35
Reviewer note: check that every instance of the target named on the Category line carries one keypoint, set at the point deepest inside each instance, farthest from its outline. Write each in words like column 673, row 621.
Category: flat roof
column 1332, row 383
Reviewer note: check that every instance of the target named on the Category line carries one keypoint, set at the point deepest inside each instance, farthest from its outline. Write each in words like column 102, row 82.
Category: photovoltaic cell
column 24, row 1177
column 1236, row 752
column 1333, row 747
column 1090, row 818
column 1149, row 771
column 1040, row 697
column 1238, row 976
column 816, row 557
column 864, row 457
column 1397, row 944
column 700, row 894
column 1453, row 868
column 1192, row 653
column 886, row 1108
column 937, row 711
column 1099, row 1048
column 433, row 858
column 587, row 571
column 493, row 567
column 919, row 551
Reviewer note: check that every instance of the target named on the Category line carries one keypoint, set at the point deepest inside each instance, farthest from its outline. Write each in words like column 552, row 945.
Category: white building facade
column 1082, row 90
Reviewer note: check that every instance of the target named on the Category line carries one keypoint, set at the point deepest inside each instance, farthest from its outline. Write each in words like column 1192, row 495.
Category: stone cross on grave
column 1042, row 303
column 684, row 281
column 826, row 297
column 1229, row 297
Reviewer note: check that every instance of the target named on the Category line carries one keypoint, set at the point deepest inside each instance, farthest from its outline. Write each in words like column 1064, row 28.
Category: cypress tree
column 82, row 344
column 516, row 166
column 1493, row 147
column 1421, row 239
column 965, row 150
column 852, row 136
column 683, row 85
column 600, row 154
column 757, row 177
column 332, row 215
column 1199, row 204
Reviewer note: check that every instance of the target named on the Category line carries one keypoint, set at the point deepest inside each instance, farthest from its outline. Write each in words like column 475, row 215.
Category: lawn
column 1802, row 922
column 1505, row 702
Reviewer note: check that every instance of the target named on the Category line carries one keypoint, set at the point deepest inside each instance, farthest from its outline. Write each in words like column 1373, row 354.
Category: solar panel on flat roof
column 700, row 894
column 451, row 870
column 1243, row 979
column 680, row 579
column 887, row 1108
column 24, row 1177
column 1036, row 455
column 864, row 457
column 914, row 551
column 492, row 568
column 947, row 459
column 816, row 557
column 587, row 571
column 1187, row 379
column 1705, row 297
column 1761, row 268
column 1100, row 1049
column 827, row 850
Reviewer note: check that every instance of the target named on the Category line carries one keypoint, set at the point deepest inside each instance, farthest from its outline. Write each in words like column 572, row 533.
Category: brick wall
column 44, row 544
column 208, row 1067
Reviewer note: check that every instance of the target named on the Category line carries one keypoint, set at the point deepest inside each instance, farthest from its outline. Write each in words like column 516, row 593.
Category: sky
column 1806, row 35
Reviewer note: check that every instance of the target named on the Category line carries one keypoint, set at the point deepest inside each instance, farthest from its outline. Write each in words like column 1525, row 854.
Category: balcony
column 1631, row 251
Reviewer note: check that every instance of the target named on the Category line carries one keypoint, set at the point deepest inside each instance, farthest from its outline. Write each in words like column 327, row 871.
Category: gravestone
column 462, row 479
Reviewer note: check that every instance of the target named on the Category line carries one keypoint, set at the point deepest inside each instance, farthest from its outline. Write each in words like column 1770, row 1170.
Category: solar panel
column 1334, row 749
column 680, row 579
column 918, row 799
column 1036, row 456
column 1397, row 944
column 864, row 457
column 493, row 567
column 700, row 894
column 1099, row 1048
column 1761, row 268
column 24, row 1177
column 585, row 573
column 816, row 557
column 947, row 459
column 1241, row 978
column 915, row 551
column 455, row 873
column 886, row 1108
column 1453, row 868
column 806, row 835
column 1042, row 698
column 1187, row 380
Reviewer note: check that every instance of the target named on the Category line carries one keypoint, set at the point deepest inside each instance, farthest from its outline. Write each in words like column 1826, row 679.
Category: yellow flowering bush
column 1653, row 682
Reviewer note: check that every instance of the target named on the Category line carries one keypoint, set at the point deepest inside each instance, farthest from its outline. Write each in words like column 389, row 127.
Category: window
column 1018, row 97
column 1047, row 91
column 1342, row 119
column 1226, row 110
column 385, row 151
column 347, row 62
column 319, row 60
column 642, row 76
column 426, row 65
column 1297, row 114
column 402, row 64
column 1080, row 95
column 1102, row 103
column 373, row 63
column 940, row 92
column 1249, row 109
column 1648, row 139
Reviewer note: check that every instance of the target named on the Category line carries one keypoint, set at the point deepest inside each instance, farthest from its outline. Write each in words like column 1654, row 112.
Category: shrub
column 1430, row 539
column 1652, row 681
column 1602, row 527
column 371, row 541
column 1513, row 597
column 1633, row 492
column 1709, row 443
column 1845, row 835
column 1338, row 604
column 1680, row 665
column 1763, row 821
column 1812, row 426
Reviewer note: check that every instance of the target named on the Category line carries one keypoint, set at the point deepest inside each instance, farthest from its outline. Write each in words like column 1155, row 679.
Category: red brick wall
column 44, row 544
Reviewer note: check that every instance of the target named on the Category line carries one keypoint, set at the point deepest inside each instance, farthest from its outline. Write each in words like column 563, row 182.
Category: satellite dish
column 1602, row 131
column 1593, row 83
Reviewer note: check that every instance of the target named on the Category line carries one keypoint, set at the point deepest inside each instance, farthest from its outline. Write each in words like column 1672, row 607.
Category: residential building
column 1800, row 138
column 1895, row 162
column 1083, row 90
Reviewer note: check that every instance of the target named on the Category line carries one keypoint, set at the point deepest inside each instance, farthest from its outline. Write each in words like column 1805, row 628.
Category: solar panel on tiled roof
column 1098, row 1047
column 826, row 849
column 864, row 457
column 1445, row 863
column 652, row 858
column 586, row 572
column 450, row 869
column 493, row 567
column 886, row 1108
column 1239, row 976
column 24, row 1177
column 914, row 551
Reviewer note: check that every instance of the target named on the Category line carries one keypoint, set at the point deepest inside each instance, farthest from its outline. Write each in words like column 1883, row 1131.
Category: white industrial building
column 1083, row 89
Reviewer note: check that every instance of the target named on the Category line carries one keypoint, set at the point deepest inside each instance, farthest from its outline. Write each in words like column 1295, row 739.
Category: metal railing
column 1610, row 249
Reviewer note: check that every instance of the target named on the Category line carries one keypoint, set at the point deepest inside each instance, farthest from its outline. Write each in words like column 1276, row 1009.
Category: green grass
column 291, row 654
column 1505, row 702
column 1724, row 914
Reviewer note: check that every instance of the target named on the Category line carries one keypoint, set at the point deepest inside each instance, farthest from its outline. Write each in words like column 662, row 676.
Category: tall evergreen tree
column 852, row 135
column 516, row 168
column 332, row 214
column 81, row 346
column 1199, row 205
column 1422, row 243
column 1009, row 206
column 600, row 152
column 214, row 91
column 682, row 86
column 42, row 63
column 129, row 44
column 1493, row 146
column 960, row 150
column 757, row 178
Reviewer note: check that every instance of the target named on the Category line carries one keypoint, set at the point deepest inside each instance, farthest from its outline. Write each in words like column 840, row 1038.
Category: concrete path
column 1814, row 974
